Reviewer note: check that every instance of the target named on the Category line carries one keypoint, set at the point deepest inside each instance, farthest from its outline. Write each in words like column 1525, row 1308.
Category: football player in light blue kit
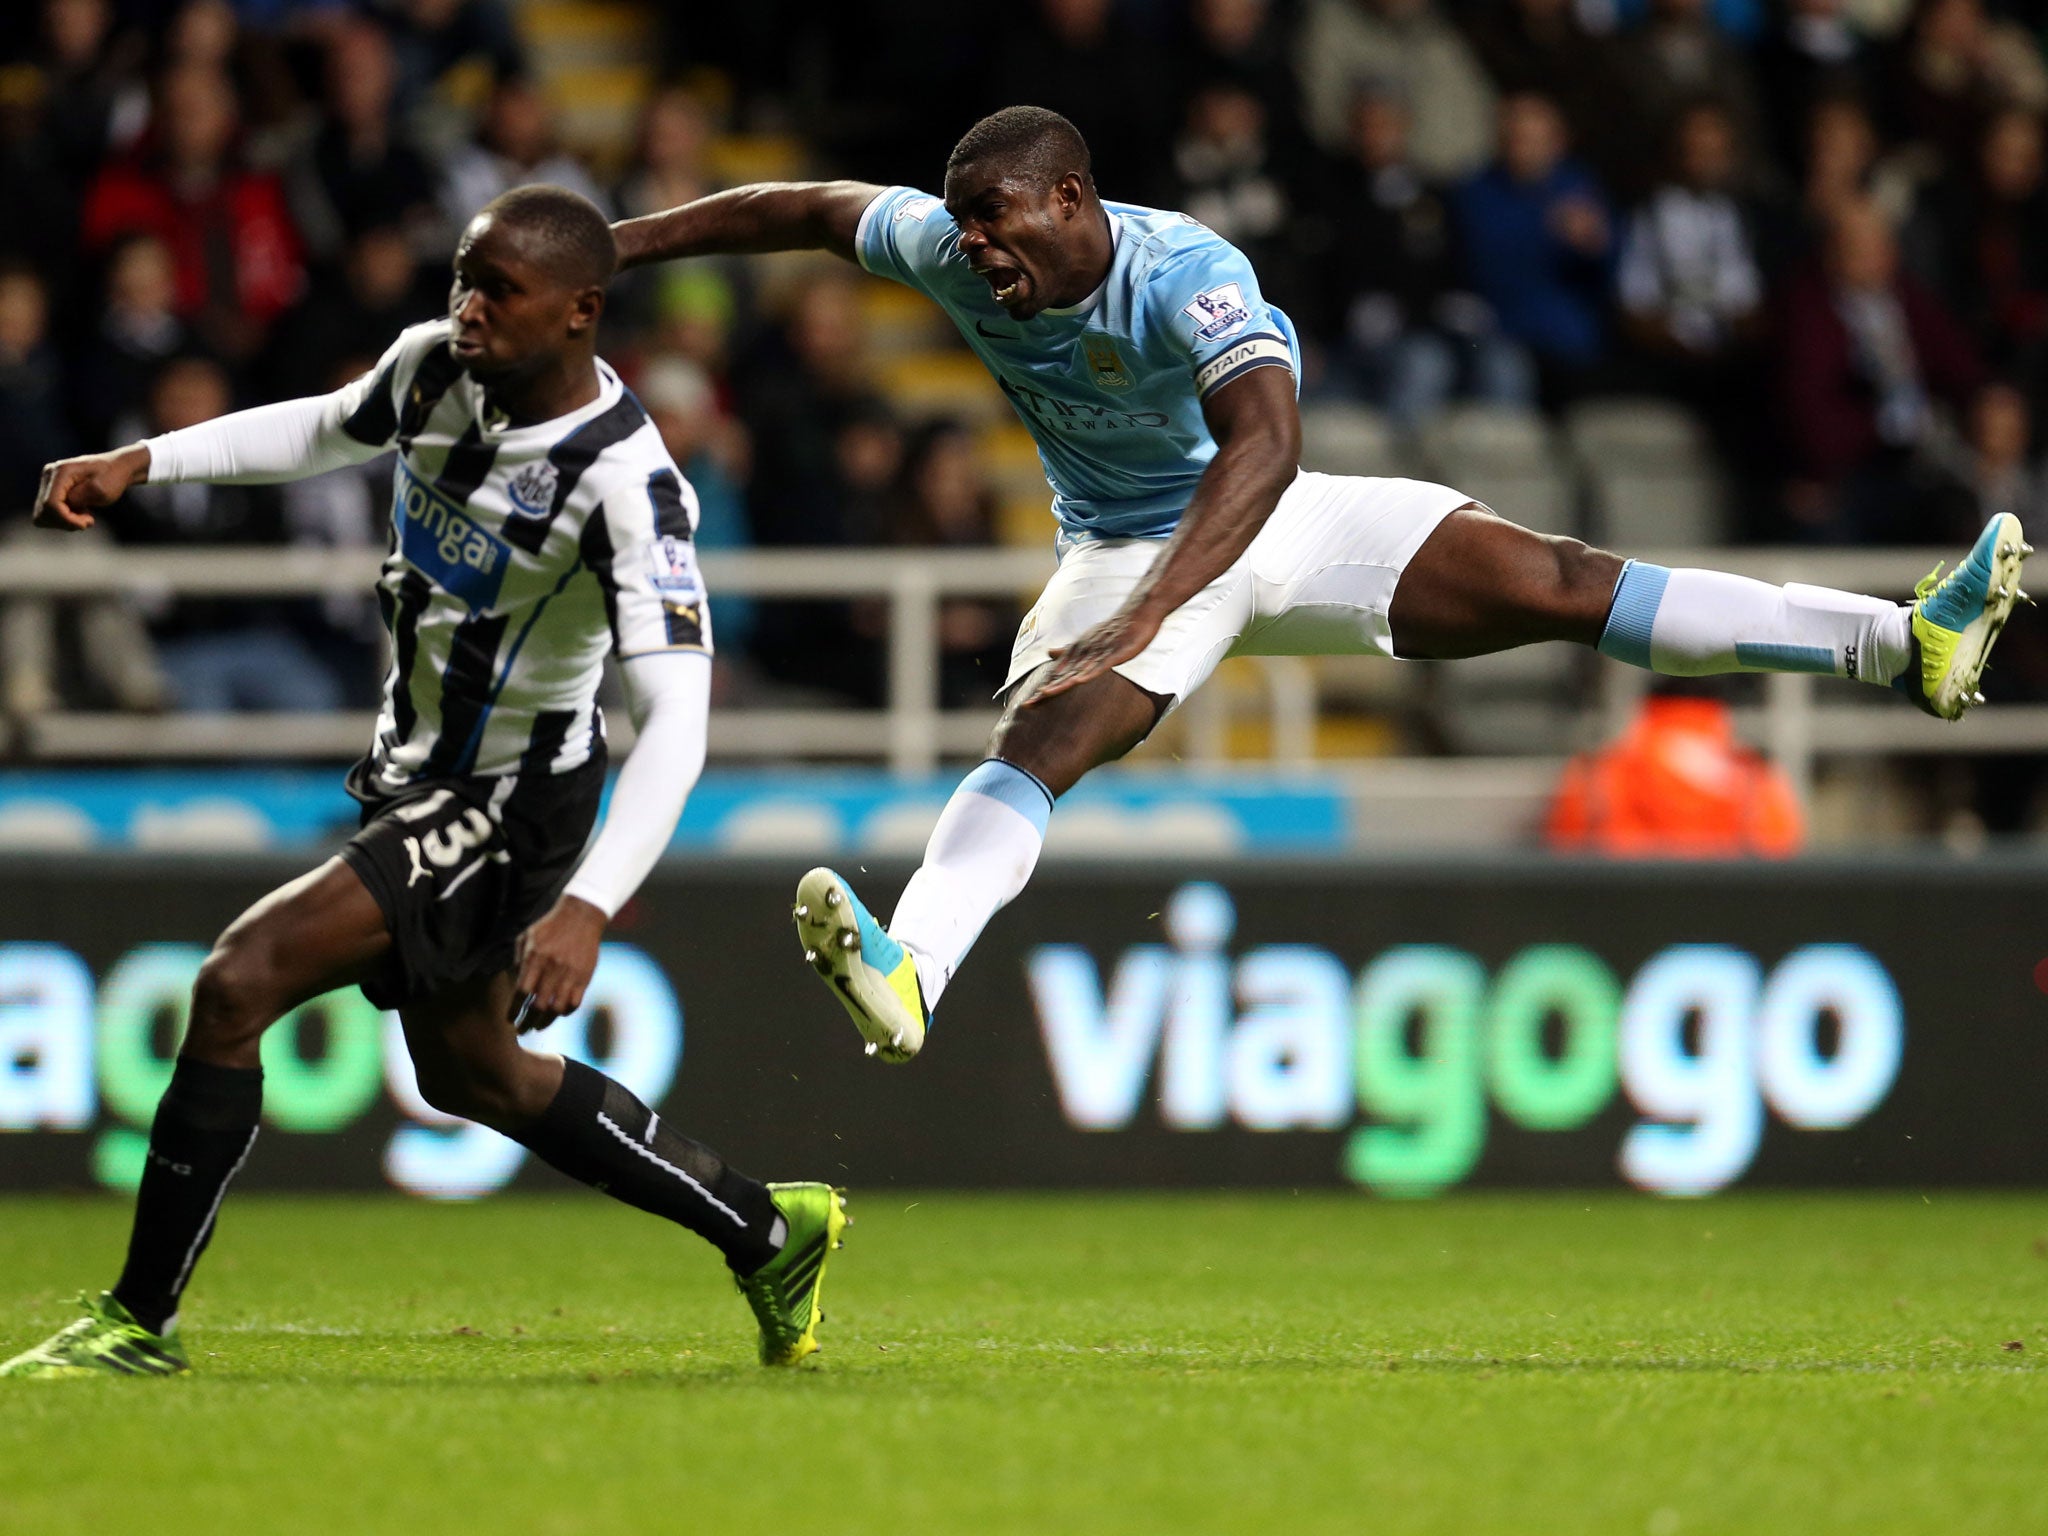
column 1160, row 386
column 1102, row 384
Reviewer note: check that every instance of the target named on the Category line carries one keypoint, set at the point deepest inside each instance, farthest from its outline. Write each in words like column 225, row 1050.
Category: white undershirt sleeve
column 668, row 694
column 290, row 440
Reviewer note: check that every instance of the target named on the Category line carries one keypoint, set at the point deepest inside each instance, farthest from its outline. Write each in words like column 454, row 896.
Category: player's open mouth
column 1005, row 283
column 466, row 346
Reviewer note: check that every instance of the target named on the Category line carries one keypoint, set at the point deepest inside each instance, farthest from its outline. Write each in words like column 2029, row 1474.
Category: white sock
column 1690, row 623
column 980, row 855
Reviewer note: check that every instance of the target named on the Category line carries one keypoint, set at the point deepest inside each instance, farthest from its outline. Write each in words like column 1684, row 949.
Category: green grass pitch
column 1112, row 1364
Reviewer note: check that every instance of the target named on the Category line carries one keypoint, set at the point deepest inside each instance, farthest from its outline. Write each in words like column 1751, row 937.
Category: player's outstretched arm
column 668, row 694
column 71, row 488
column 286, row 441
column 769, row 216
column 1257, row 428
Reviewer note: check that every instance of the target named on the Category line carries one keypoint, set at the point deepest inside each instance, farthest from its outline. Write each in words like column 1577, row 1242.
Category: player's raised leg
column 775, row 1237
column 320, row 932
column 1480, row 584
column 980, row 855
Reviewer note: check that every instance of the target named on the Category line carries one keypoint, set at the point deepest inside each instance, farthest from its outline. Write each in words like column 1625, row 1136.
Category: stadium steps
column 1340, row 438
column 595, row 61
column 1010, row 459
column 1652, row 477
column 1508, row 458
column 1522, row 701
column 923, row 386
column 1247, row 740
column 577, row 31
column 1278, row 711
column 734, row 159
column 1338, row 738
column 898, row 321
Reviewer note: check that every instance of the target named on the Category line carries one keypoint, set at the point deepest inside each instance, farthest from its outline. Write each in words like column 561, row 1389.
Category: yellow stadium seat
column 1025, row 521
column 899, row 321
column 923, row 385
column 556, row 28
column 738, row 158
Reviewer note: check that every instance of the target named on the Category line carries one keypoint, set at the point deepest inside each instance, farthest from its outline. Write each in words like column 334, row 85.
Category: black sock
column 204, row 1127
column 597, row 1132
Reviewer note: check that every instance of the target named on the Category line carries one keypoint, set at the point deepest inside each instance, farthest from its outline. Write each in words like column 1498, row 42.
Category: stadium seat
column 1518, row 702
column 1505, row 457
column 925, row 385
column 898, row 322
column 593, row 58
column 1024, row 500
column 739, row 158
column 1339, row 438
column 1652, row 478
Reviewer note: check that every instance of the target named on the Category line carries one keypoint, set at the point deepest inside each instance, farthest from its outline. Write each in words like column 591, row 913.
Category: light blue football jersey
column 1112, row 388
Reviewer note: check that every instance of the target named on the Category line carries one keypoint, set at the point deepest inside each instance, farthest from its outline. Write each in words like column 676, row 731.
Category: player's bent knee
column 1061, row 739
column 493, row 1093
column 454, row 1089
column 235, row 997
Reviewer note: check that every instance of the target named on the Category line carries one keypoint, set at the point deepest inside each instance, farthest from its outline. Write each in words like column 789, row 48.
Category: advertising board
column 1406, row 1028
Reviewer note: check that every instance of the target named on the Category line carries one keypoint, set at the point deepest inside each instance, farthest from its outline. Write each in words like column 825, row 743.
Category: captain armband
column 1264, row 351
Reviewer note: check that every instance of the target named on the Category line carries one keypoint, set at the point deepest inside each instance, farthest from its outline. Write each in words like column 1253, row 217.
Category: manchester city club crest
column 1104, row 366
column 533, row 490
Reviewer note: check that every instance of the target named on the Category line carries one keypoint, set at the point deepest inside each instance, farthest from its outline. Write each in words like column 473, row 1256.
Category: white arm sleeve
column 668, row 694
column 295, row 439
column 287, row 441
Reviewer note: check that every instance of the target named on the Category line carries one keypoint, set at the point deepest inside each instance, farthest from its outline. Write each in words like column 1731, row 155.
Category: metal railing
column 1797, row 724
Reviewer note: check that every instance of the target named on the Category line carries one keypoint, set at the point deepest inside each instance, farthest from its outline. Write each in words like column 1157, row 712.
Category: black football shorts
column 459, row 877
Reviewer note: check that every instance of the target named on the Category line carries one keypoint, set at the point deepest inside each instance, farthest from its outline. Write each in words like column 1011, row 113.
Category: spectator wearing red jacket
column 237, row 255
column 1867, row 353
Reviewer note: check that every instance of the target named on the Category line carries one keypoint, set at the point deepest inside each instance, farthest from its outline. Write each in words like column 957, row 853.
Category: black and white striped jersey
column 519, row 556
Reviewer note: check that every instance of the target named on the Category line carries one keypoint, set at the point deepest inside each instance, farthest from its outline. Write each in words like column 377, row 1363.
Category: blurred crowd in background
column 1820, row 226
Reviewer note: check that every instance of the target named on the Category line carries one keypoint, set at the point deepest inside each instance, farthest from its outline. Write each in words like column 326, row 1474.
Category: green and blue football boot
column 1957, row 617
column 784, row 1292
column 107, row 1341
column 870, row 972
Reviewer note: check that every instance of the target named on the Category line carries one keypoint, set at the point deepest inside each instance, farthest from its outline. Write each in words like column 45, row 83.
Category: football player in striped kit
column 538, row 524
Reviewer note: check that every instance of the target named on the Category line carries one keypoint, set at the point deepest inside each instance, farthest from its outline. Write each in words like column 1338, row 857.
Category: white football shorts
column 1316, row 581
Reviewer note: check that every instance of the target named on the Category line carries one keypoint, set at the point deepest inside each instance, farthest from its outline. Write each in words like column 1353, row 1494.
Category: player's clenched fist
column 72, row 487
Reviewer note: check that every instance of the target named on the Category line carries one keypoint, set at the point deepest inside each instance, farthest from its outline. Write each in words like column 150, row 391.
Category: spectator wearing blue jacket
column 1539, row 243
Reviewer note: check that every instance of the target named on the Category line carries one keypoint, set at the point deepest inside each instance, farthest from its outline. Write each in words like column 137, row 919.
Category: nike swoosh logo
column 981, row 329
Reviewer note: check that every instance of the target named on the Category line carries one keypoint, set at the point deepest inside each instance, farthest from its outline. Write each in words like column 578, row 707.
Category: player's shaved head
column 561, row 232
column 1029, row 144
column 529, row 287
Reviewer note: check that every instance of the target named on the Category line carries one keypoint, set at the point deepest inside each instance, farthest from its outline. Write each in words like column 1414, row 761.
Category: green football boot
column 869, row 972
column 784, row 1292
column 1957, row 617
column 104, row 1342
